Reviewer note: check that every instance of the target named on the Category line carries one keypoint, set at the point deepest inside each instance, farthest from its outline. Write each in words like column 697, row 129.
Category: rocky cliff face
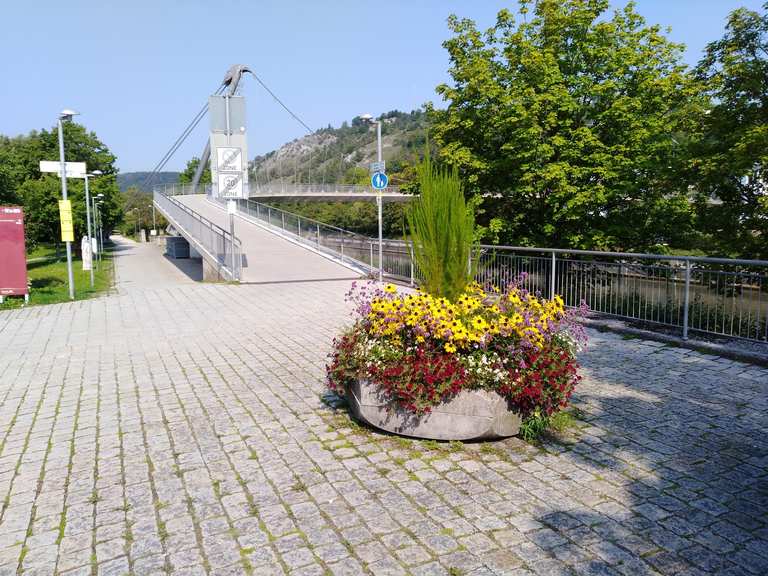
column 342, row 155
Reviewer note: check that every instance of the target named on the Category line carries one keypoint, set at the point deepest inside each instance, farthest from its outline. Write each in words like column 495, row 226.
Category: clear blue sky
column 138, row 70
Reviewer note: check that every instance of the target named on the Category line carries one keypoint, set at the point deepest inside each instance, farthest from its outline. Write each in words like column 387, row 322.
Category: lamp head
column 96, row 173
column 67, row 114
column 367, row 118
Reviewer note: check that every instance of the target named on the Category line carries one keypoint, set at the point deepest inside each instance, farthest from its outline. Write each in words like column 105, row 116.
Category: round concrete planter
column 470, row 415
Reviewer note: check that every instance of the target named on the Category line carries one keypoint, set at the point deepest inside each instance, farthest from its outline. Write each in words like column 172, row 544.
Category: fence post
column 410, row 252
column 298, row 220
column 269, row 216
column 318, row 234
column 258, row 212
column 686, row 298
column 342, row 247
column 552, row 277
column 282, row 214
column 370, row 245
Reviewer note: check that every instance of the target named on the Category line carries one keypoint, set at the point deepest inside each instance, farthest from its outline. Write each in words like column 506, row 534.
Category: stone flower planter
column 470, row 415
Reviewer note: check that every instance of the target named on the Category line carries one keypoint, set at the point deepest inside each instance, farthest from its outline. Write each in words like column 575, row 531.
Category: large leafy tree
column 21, row 181
column 730, row 159
column 188, row 174
column 571, row 124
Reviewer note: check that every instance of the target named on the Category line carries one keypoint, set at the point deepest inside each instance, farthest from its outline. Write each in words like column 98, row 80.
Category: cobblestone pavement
column 180, row 431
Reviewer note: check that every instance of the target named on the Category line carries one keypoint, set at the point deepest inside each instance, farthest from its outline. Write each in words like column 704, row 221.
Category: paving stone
column 205, row 436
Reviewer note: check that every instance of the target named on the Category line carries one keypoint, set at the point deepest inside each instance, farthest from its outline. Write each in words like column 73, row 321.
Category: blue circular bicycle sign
column 379, row 180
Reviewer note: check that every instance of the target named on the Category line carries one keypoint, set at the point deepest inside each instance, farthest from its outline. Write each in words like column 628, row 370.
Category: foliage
column 138, row 180
column 572, row 124
column 341, row 155
column 357, row 217
column 729, row 160
column 421, row 350
column 188, row 174
column 22, row 183
column 137, row 206
column 442, row 228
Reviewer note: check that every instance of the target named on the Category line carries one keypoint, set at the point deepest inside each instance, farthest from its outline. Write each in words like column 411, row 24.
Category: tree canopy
column 730, row 156
column 21, row 181
column 571, row 124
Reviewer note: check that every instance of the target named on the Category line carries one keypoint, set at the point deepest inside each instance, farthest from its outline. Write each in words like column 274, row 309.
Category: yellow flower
column 390, row 288
column 450, row 348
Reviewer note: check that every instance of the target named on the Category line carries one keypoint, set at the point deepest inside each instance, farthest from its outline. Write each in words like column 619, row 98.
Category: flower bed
column 419, row 351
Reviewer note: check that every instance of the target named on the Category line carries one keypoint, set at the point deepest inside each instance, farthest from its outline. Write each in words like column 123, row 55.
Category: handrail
column 218, row 243
column 718, row 296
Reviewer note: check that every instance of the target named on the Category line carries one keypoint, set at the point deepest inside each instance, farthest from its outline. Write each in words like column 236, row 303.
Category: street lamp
column 64, row 116
column 97, row 201
column 88, row 216
column 368, row 119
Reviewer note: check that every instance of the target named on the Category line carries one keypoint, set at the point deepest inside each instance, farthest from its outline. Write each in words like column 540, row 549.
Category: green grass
column 46, row 251
column 49, row 285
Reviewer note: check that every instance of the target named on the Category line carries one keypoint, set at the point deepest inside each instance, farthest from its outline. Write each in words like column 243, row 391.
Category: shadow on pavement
column 670, row 476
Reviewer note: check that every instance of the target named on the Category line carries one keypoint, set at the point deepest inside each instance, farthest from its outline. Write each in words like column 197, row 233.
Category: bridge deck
column 269, row 258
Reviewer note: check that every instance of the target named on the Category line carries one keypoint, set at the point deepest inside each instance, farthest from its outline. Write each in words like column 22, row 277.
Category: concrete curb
column 712, row 348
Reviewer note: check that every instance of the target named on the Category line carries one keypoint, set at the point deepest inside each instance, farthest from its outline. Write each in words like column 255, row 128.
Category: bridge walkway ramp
column 269, row 258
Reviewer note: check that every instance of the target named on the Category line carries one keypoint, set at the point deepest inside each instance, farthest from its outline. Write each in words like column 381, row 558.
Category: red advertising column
column 13, row 257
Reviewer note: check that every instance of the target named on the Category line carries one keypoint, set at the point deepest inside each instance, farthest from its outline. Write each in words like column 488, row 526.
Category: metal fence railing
column 278, row 188
column 206, row 236
column 349, row 248
column 718, row 296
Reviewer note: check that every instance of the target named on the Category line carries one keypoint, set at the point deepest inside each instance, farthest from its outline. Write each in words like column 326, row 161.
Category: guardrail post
column 342, row 247
column 258, row 212
column 298, row 221
column 553, row 278
column 282, row 215
column 686, row 298
column 269, row 216
column 410, row 253
column 370, row 245
column 318, row 234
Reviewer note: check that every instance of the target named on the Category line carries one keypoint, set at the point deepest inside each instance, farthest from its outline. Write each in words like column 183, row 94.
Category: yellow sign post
column 65, row 215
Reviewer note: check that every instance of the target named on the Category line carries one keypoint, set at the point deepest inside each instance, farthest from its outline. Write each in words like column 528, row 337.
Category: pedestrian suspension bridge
column 249, row 241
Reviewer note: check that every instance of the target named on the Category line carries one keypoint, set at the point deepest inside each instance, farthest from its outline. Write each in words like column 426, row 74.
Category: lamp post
column 97, row 219
column 88, row 220
column 64, row 116
column 379, row 201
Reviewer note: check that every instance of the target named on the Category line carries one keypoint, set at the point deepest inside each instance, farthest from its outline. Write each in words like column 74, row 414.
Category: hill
column 342, row 155
column 128, row 179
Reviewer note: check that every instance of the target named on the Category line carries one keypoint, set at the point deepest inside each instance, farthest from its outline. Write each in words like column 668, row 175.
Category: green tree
column 188, row 174
column 571, row 125
column 730, row 159
column 22, row 182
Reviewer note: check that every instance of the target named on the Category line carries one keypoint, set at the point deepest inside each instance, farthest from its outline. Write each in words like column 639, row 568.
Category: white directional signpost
column 73, row 169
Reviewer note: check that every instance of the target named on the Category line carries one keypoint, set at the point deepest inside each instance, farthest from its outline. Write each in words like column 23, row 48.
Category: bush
column 442, row 228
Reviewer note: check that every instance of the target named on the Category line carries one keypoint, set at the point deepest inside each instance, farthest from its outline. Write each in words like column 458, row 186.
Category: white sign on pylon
column 230, row 185
column 229, row 159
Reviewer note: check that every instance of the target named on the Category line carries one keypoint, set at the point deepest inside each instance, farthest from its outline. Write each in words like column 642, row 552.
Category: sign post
column 379, row 181
column 13, row 272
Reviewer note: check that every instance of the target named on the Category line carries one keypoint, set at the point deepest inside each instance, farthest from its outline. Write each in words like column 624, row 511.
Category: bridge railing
column 277, row 188
column 714, row 296
column 347, row 247
column 216, row 242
